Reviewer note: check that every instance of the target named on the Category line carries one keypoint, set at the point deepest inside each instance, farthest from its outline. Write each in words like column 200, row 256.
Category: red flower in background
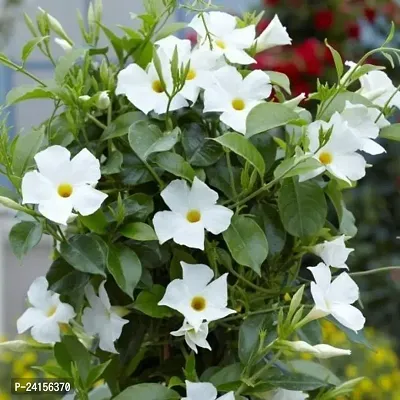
column 323, row 20
column 312, row 55
column 262, row 25
column 353, row 30
column 271, row 2
column 370, row 14
column 300, row 87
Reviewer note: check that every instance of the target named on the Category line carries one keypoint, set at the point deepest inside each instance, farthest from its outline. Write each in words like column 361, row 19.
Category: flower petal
column 236, row 119
column 176, row 196
column 221, row 23
column 237, row 56
column 322, row 275
column 175, row 294
column 29, row 318
column 46, row 332
column 104, row 296
column 371, row 147
column 200, row 391
column 38, row 294
column 350, row 165
column 64, row 313
column 36, row 188
column 56, row 209
column 87, row 200
column 167, row 224
column 274, row 35
column 343, row 290
column 216, row 219
column 85, row 168
column 348, row 316
column 201, row 196
column 50, row 161
column 257, row 85
column 130, row 77
column 191, row 235
column 196, row 276
column 318, row 295
column 228, row 396
column 243, row 38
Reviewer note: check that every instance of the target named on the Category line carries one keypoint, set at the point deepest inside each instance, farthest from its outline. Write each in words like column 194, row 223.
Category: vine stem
column 375, row 271
column 96, row 121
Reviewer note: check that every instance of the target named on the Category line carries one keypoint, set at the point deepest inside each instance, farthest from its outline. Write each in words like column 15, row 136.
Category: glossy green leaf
column 30, row 46
column 267, row 116
column 96, row 222
column 296, row 166
column 170, row 29
column 147, row 139
column 24, row 236
column 337, row 60
column 25, row 149
column 124, row 265
column 311, row 333
column 85, row 253
column 138, row 206
column 148, row 391
column 279, row 79
column 113, row 164
column 391, row 132
column 147, row 303
column 120, row 126
column 175, row 165
column 28, row 92
column 302, row 207
column 246, row 242
column 314, row 369
column 296, row 381
column 96, row 373
column 230, row 373
column 244, row 148
column 138, row 231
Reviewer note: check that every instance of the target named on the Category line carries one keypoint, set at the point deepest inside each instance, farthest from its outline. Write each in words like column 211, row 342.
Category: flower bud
column 103, row 101
column 319, row 350
column 63, row 44
column 274, row 35
column 84, row 98
column 55, row 25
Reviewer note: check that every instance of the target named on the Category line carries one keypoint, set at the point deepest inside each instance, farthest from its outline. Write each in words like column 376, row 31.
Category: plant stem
column 154, row 174
column 375, row 271
column 96, row 121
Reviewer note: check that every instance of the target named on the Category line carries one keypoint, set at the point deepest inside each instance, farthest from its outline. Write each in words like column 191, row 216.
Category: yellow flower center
column 238, row 104
column 157, row 87
column 325, row 158
column 198, row 303
column 193, row 216
column 51, row 311
column 65, row 190
column 221, row 44
column 191, row 75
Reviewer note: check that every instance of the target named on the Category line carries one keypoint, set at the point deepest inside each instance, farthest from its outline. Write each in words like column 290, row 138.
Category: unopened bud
column 103, row 102
column 63, row 44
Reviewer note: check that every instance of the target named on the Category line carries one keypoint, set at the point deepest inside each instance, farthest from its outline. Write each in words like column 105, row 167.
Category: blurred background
column 352, row 27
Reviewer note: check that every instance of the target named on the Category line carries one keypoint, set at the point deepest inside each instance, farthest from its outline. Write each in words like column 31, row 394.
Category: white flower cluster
column 220, row 44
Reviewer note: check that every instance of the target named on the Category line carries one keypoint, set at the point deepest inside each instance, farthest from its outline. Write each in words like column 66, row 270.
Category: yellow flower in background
column 5, row 396
column 18, row 368
column 385, row 382
column 29, row 358
column 351, row 371
column 6, row 357
column 29, row 375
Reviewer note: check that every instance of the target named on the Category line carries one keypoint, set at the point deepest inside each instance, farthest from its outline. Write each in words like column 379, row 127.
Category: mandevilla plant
column 182, row 191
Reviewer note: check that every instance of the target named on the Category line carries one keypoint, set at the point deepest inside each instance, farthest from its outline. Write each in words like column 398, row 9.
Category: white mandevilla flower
column 193, row 338
column 234, row 96
column 100, row 319
column 62, row 185
column 335, row 297
column 225, row 38
column 320, row 350
column 361, row 121
column 193, row 211
column 275, row 34
column 283, row 394
column 144, row 89
column 204, row 391
column 202, row 62
column 46, row 313
column 333, row 252
column 338, row 156
column 63, row 44
column 376, row 86
column 196, row 297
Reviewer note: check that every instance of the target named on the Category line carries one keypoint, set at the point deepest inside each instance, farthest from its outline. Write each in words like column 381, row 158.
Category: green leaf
column 25, row 149
column 346, row 218
column 138, row 206
column 95, row 373
column 148, row 391
column 190, row 368
column 302, row 207
column 296, row 381
column 96, row 222
column 113, row 164
column 315, row 370
column 391, row 132
column 311, row 333
column 175, row 165
column 200, row 151
column 339, row 102
column 85, row 253
column 30, row 46
column 66, row 62
column 71, row 350
column 337, row 59
column 266, row 146
column 268, row 218
column 175, row 269
column 134, row 171
column 170, row 29
column 296, row 166
column 249, row 338
column 24, row 236
column 230, row 373
column 147, row 139
column 246, row 242
column 115, row 41
column 267, row 116
column 147, row 303
column 244, row 148
column 120, row 126
column 7, row 193
column 28, row 92
column 279, row 79
column 138, row 231
column 124, row 265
